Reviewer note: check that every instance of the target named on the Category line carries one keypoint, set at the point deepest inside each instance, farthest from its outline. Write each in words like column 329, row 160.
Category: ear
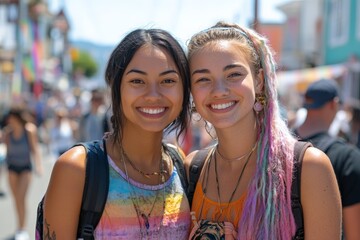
column 335, row 103
column 259, row 81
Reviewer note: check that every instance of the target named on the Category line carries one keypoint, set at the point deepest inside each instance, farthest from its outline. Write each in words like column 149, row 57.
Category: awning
column 300, row 79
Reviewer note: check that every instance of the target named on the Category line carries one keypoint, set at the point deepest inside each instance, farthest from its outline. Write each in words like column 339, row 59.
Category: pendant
column 146, row 221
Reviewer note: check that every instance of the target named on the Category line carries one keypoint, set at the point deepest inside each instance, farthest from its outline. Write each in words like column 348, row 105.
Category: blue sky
column 107, row 21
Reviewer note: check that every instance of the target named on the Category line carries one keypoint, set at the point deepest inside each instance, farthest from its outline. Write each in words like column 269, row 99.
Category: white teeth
column 222, row 106
column 152, row 110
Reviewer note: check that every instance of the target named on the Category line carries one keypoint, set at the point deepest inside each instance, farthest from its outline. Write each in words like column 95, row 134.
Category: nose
column 220, row 89
column 153, row 92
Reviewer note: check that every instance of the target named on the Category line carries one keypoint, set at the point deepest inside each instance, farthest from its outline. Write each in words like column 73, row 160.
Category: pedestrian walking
column 20, row 137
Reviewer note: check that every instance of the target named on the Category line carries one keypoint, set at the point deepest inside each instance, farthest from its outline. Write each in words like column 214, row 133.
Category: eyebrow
column 227, row 67
column 144, row 73
column 200, row 71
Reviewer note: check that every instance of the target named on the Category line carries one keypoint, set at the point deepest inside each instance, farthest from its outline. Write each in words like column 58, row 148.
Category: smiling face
column 222, row 84
column 151, row 90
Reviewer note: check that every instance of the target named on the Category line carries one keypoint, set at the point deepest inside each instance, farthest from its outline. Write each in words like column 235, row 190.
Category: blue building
column 341, row 31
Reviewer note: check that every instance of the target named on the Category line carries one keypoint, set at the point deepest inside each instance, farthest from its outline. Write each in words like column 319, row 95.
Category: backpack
column 97, row 186
column 299, row 150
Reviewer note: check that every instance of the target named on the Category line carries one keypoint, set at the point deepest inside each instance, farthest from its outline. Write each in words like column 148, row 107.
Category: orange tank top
column 205, row 208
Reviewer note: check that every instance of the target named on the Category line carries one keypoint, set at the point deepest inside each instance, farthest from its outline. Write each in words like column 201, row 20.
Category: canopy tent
column 300, row 79
column 292, row 84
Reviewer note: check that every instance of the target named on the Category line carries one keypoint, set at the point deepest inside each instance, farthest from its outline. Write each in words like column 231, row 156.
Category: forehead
column 219, row 53
column 150, row 55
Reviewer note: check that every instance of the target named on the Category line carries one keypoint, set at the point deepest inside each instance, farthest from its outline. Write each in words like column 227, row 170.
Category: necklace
column 147, row 175
column 140, row 214
column 235, row 158
column 237, row 183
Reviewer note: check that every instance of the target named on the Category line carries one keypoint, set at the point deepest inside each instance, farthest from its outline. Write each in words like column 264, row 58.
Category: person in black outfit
column 322, row 102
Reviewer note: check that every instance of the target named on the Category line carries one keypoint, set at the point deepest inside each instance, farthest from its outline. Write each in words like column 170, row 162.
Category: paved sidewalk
column 36, row 191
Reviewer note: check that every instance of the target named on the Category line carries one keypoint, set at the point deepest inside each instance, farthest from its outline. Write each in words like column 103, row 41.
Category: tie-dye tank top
column 167, row 204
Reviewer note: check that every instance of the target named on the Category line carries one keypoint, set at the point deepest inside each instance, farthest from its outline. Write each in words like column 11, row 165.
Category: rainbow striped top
column 170, row 214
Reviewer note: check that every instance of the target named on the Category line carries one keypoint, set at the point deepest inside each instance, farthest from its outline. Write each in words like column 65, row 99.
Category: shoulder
column 69, row 170
column 320, row 196
column 315, row 163
column 31, row 128
column 64, row 193
column 70, row 166
column 317, row 172
column 317, row 175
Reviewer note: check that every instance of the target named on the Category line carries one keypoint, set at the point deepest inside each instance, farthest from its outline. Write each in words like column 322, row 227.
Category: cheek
column 198, row 93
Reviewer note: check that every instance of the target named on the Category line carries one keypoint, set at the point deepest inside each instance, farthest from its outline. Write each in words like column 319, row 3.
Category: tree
column 83, row 63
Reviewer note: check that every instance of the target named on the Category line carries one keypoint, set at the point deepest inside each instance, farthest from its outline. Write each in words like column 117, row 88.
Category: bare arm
column 34, row 145
column 351, row 218
column 64, row 194
column 320, row 197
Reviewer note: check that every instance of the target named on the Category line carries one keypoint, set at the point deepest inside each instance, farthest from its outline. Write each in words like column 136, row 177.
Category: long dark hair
column 121, row 57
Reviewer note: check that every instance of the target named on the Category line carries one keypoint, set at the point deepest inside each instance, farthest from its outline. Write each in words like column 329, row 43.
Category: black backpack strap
column 195, row 168
column 95, row 189
column 299, row 151
column 178, row 163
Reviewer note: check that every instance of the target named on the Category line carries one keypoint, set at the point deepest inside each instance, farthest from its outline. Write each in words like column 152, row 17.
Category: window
column 339, row 16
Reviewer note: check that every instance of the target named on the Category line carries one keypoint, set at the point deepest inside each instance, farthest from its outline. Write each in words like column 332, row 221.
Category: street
column 36, row 191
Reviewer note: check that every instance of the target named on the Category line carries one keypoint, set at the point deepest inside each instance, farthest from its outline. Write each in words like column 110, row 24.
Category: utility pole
column 256, row 18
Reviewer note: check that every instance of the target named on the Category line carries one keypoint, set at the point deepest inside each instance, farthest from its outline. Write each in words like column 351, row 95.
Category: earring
column 260, row 102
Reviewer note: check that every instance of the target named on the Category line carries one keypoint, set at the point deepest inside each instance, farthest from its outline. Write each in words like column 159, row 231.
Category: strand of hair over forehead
column 267, row 211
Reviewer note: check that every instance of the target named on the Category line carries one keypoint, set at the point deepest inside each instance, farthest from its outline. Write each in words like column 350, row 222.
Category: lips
column 222, row 106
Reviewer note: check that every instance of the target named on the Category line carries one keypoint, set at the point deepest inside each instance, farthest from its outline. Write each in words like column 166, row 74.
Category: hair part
column 267, row 212
column 120, row 59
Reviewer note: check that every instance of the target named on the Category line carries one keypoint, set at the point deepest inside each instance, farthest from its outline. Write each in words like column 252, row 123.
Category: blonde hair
column 267, row 212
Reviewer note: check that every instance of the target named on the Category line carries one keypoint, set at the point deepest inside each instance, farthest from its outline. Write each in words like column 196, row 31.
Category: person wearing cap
column 322, row 101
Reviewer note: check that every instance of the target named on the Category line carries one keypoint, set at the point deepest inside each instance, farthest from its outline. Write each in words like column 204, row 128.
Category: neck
column 144, row 149
column 234, row 143
column 313, row 124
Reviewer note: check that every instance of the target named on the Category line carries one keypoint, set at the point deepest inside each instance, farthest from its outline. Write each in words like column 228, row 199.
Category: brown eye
column 137, row 81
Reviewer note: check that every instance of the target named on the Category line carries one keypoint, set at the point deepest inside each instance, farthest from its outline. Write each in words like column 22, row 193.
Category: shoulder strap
column 95, row 190
column 178, row 163
column 195, row 167
column 299, row 151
